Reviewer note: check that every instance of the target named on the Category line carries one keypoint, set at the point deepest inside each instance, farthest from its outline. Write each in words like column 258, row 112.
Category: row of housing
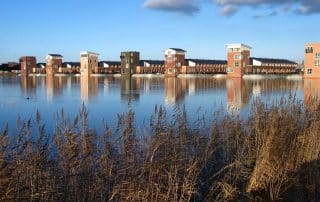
column 239, row 62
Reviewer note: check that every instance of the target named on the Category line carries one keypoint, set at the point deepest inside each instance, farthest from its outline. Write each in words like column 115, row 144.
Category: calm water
column 105, row 97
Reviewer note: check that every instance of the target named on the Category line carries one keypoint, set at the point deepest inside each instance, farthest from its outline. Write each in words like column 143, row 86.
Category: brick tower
column 27, row 63
column 238, row 59
column 53, row 62
column 88, row 61
column 175, row 58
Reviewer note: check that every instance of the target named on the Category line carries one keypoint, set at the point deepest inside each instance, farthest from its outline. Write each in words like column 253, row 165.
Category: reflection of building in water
column 28, row 85
column 174, row 90
column 50, row 87
column 130, row 89
column 203, row 85
column 54, row 87
column 238, row 92
column 192, row 87
column 256, row 89
column 311, row 91
column 88, row 87
column 281, row 84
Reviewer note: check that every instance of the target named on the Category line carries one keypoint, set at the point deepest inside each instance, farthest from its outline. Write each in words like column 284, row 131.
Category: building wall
column 272, row 68
column 129, row 62
column 27, row 63
column 312, row 61
column 236, row 66
column 88, row 63
column 204, row 69
column 174, row 63
column 53, row 65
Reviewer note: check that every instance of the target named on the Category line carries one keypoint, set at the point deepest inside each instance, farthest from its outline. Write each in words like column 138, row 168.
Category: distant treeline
column 273, row 154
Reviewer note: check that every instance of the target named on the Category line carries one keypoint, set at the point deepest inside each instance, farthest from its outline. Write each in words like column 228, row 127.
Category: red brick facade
column 238, row 60
column 27, row 63
column 312, row 61
column 53, row 63
column 174, row 60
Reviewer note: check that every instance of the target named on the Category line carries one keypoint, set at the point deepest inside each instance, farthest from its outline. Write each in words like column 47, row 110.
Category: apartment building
column 312, row 60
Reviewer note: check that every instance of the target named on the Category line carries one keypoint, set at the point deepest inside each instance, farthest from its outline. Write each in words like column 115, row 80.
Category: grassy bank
column 271, row 155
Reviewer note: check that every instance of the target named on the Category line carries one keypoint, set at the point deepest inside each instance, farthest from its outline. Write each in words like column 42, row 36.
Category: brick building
column 109, row 67
column 197, row 66
column 27, row 63
column 88, row 62
column 151, row 67
column 129, row 62
column 175, row 58
column 238, row 59
column 53, row 63
column 272, row 66
column 312, row 60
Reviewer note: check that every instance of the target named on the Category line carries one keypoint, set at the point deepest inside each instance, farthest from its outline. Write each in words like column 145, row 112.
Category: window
column 237, row 57
column 309, row 50
column 309, row 71
column 317, row 63
column 230, row 70
column 131, row 60
column 317, row 55
column 236, row 64
column 169, row 57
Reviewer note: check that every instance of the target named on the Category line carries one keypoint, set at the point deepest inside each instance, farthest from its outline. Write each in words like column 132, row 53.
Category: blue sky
column 202, row 27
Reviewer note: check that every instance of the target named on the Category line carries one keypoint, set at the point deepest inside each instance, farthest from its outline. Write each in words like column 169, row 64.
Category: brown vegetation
column 271, row 155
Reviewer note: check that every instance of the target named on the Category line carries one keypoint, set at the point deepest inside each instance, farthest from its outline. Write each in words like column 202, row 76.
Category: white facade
column 256, row 62
column 50, row 57
column 170, row 51
column 191, row 63
column 88, row 53
column 146, row 64
column 238, row 47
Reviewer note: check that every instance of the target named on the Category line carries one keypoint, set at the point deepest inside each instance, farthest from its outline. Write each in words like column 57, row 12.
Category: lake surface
column 107, row 96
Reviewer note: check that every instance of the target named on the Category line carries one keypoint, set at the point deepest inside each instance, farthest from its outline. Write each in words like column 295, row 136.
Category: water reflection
column 130, row 89
column 108, row 95
column 174, row 90
column 88, row 88
column 28, row 86
column 54, row 86
column 238, row 92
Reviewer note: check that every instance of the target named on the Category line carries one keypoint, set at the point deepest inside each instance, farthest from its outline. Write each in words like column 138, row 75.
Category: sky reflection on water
column 107, row 96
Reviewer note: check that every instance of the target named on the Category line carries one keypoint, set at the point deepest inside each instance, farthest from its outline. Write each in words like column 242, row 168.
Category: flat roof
column 309, row 44
column 88, row 52
column 238, row 45
column 55, row 55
